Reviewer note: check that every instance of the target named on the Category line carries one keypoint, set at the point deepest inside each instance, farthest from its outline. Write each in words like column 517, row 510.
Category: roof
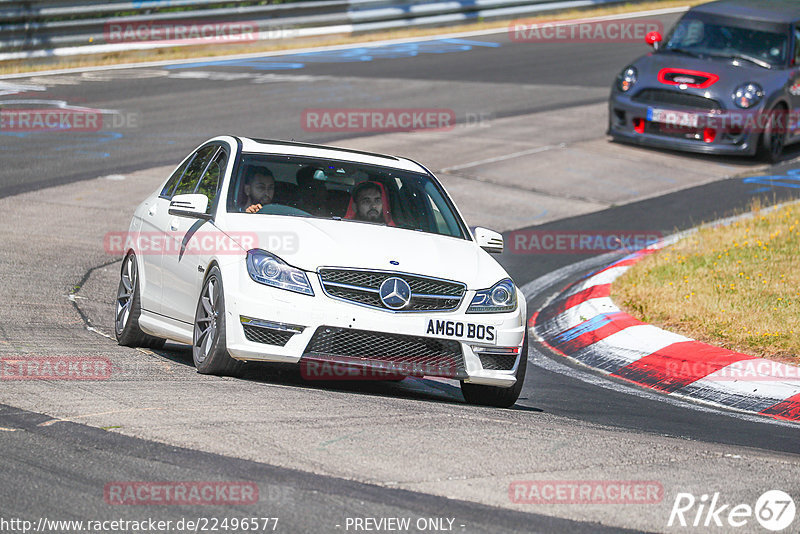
column 776, row 11
column 293, row 148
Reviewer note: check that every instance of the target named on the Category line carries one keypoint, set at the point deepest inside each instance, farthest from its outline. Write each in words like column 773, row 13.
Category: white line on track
column 503, row 157
column 369, row 44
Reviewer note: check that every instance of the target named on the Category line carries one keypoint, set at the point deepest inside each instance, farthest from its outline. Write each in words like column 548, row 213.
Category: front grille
column 677, row 132
column 666, row 97
column 268, row 336
column 409, row 355
column 427, row 294
column 498, row 362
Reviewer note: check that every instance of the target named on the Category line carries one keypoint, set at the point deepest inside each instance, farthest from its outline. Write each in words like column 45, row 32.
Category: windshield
column 345, row 191
column 696, row 35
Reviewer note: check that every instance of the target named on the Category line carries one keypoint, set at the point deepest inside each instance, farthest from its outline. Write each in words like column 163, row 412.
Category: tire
column 209, row 349
column 128, row 309
column 773, row 140
column 497, row 396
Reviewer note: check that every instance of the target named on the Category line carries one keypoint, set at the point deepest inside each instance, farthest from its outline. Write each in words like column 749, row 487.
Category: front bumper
column 272, row 325
column 627, row 121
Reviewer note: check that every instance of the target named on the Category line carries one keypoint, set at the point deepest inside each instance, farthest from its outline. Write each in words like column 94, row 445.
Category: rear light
column 709, row 134
column 638, row 125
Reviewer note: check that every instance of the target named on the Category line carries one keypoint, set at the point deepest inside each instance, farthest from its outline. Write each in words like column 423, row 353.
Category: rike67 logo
column 774, row 510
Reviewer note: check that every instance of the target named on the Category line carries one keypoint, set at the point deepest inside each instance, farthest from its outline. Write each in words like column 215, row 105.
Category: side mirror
column 192, row 206
column 488, row 240
column 653, row 39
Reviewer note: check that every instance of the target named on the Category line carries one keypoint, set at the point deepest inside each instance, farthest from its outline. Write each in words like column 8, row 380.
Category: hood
column 312, row 243
column 724, row 76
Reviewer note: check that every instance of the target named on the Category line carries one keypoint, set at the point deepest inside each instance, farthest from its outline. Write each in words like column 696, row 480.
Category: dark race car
column 726, row 81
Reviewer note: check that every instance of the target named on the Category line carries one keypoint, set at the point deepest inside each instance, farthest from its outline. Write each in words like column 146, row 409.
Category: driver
column 369, row 203
column 259, row 187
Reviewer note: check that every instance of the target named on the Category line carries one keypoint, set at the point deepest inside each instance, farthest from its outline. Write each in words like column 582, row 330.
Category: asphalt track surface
column 476, row 75
column 53, row 470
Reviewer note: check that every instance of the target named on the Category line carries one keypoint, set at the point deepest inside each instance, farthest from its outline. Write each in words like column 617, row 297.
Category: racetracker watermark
column 585, row 492
column 578, row 241
column 66, row 120
column 583, row 31
column 55, row 368
column 181, row 31
column 50, row 119
column 356, row 369
column 199, row 243
column 755, row 370
column 732, row 123
column 180, row 493
column 377, row 119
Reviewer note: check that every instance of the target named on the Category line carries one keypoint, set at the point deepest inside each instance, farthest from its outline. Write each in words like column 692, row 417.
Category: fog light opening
column 709, row 134
column 638, row 125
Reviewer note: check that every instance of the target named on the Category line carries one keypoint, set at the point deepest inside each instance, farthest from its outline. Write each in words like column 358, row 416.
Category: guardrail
column 44, row 28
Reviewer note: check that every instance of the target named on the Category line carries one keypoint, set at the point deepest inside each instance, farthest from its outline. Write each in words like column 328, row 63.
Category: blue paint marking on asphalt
column 81, row 148
column 103, row 137
column 138, row 4
column 791, row 179
column 592, row 324
column 348, row 55
column 15, row 134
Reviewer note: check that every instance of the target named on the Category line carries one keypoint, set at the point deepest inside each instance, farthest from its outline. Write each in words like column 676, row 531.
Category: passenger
column 369, row 203
column 259, row 187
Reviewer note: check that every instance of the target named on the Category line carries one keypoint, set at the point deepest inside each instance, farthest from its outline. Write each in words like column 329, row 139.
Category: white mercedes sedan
column 351, row 264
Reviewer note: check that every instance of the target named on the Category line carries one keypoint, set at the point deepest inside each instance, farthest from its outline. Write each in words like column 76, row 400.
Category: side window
column 190, row 178
column 209, row 183
column 173, row 180
column 796, row 46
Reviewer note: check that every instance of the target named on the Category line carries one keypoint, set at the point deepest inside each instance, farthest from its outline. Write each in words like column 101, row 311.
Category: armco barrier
column 44, row 28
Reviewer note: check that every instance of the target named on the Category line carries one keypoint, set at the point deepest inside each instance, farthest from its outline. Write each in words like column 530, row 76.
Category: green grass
column 736, row 286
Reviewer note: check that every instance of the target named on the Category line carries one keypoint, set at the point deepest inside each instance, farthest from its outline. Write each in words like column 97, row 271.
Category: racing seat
column 338, row 202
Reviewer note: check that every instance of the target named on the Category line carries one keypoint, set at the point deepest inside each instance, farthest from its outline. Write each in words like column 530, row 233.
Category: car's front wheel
column 209, row 350
column 497, row 396
column 128, row 308
column 773, row 139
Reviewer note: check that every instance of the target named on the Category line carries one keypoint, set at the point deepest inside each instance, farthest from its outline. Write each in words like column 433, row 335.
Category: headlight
column 502, row 297
column 748, row 95
column 626, row 79
column 268, row 269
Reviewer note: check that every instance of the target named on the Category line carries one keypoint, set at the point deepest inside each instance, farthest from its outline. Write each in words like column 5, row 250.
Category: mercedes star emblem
column 395, row 293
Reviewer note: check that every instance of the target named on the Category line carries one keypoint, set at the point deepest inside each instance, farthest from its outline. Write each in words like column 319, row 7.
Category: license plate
column 673, row 118
column 462, row 331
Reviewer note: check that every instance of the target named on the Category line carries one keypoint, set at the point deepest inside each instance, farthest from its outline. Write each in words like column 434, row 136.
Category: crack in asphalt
column 87, row 322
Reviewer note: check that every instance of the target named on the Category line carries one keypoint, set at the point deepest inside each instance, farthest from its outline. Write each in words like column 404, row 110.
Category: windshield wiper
column 751, row 59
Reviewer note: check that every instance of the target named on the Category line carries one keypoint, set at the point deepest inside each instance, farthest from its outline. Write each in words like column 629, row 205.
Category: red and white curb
column 583, row 323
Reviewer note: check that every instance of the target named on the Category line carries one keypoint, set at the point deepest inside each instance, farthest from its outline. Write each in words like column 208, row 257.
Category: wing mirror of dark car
column 488, row 240
column 193, row 206
column 653, row 39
